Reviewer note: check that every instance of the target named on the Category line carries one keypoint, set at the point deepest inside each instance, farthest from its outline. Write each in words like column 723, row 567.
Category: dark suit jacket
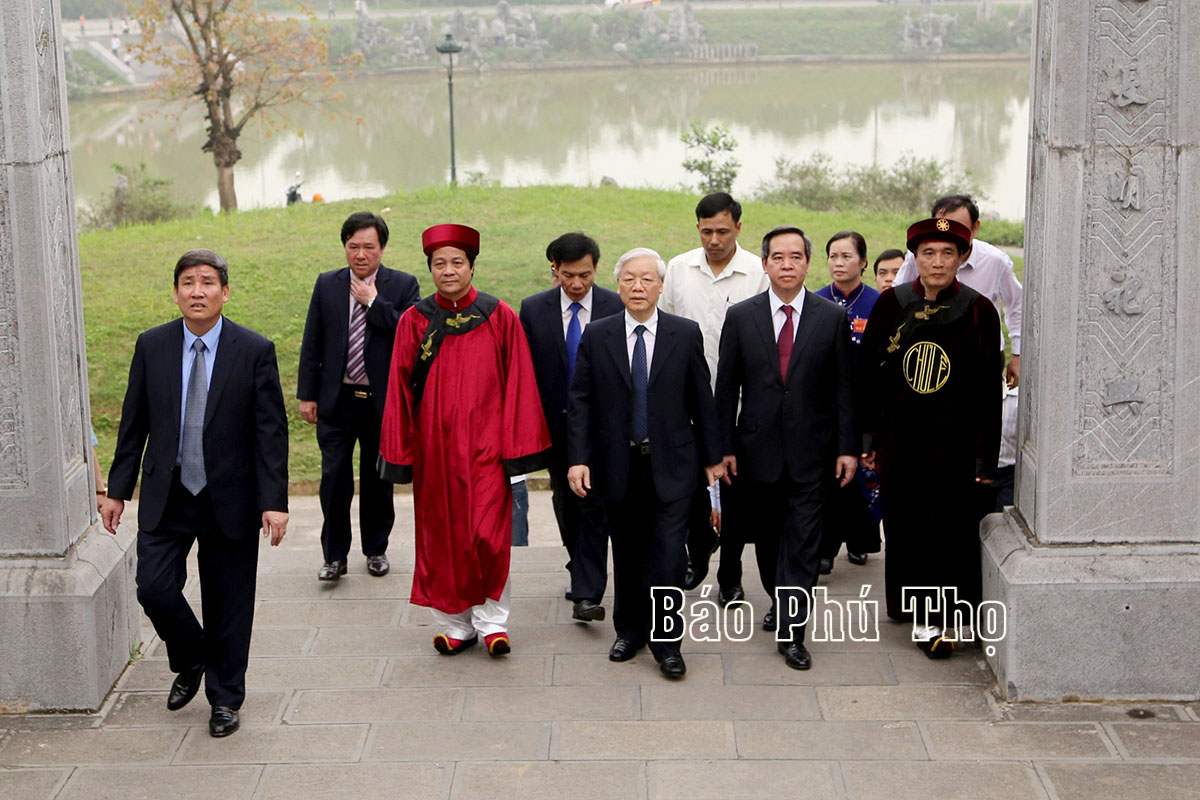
column 803, row 425
column 245, row 428
column 327, row 332
column 684, row 437
column 541, row 317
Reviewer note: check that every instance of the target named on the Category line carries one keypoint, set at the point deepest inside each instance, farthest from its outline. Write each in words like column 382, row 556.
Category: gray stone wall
column 1098, row 565
column 1109, row 423
column 46, row 487
column 68, row 617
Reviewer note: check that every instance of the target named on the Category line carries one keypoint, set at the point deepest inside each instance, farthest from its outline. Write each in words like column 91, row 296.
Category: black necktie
column 641, row 381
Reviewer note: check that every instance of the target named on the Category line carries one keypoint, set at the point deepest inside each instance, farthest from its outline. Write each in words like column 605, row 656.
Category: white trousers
column 486, row 619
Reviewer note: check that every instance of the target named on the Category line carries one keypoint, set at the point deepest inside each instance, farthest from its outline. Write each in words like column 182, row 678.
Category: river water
column 578, row 126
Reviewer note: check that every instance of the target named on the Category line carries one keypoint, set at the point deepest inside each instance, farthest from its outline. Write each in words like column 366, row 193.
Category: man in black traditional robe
column 930, row 375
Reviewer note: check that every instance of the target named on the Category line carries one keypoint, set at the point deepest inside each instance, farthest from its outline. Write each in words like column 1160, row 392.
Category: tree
column 714, row 162
column 237, row 62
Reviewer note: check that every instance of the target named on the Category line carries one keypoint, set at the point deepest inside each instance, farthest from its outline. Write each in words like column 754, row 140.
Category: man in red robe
column 463, row 414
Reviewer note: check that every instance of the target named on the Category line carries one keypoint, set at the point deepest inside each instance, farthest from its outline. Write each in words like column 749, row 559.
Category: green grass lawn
column 275, row 255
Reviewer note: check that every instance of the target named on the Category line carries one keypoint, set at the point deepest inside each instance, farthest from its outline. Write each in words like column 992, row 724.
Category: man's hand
column 1012, row 374
column 274, row 526
column 110, row 513
column 730, row 465
column 579, row 478
column 714, row 519
column 845, row 469
column 363, row 292
column 714, row 473
column 984, row 481
column 868, row 460
column 308, row 411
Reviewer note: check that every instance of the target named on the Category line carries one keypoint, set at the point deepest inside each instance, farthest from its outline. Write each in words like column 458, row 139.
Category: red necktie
column 785, row 343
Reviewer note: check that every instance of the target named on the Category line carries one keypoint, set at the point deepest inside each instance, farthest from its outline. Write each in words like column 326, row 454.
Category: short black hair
column 887, row 255
column 572, row 247
column 953, row 202
column 860, row 243
column 780, row 230
column 196, row 258
column 365, row 219
column 717, row 202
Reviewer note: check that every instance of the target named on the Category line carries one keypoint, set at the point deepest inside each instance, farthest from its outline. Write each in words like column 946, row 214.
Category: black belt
column 360, row 392
column 640, row 449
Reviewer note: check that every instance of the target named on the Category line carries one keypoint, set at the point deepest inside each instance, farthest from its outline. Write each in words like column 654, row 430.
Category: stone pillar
column 68, row 617
column 1099, row 561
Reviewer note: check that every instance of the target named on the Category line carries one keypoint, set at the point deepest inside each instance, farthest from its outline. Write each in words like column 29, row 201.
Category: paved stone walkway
column 347, row 699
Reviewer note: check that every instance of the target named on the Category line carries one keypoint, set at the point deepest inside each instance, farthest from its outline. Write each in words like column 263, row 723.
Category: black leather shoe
column 769, row 623
column 825, row 566
column 795, row 655
column 730, row 594
column 587, row 611
column 695, row 575
column 224, row 721
column 673, row 666
column 184, row 687
column 377, row 565
column 332, row 570
column 856, row 558
column 623, row 650
column 567, row 594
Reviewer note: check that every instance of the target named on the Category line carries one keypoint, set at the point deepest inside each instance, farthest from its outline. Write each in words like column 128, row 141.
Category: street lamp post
column 449, row 49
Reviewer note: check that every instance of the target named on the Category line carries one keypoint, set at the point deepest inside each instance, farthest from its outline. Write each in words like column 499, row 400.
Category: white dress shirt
column 989, row 271
column 1008, row 428
column 585, row 313
column 779, row 317
column 649, row 336
column 691, row 290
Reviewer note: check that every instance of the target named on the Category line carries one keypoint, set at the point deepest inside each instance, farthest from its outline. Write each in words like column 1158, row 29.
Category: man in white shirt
column 701, row 285
column 987, row 269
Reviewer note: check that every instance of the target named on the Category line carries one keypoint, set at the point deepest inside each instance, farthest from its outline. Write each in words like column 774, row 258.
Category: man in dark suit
column 204, row 417
column 642, row 432
column 786, row 355
column 344, row 361
column 554, row 322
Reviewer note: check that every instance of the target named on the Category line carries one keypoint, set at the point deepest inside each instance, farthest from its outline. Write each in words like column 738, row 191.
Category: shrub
column 710, row 154
column 907, row 187
column 137, row 197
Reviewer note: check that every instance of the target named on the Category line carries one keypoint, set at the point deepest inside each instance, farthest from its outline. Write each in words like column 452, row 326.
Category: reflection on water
column 579, row 126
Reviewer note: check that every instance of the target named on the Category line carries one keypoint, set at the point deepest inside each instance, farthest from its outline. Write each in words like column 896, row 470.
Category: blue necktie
column 191, row 463
column 641, row 381
column 573, row 334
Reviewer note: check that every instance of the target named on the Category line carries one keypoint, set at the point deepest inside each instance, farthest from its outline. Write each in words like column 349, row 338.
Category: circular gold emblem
column 926, row 367
column 943, row 225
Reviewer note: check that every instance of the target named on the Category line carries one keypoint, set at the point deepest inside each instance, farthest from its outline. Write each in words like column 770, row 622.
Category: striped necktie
column 356, row 365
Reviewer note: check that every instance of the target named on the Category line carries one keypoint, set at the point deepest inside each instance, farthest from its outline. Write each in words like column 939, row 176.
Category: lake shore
column 144, row 89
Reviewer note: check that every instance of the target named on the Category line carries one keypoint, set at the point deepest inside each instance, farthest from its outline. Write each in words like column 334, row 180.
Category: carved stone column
column 1099, row 562
column 68, row 616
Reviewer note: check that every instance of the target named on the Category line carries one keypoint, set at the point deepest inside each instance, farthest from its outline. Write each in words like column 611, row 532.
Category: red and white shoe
column 498, row 644
column 449, row 646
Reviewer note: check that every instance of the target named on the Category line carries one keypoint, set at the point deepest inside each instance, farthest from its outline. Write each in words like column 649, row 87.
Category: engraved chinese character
column 1126, row 90
column 1121, row 392
column 1126, row 190
column 1122, row 300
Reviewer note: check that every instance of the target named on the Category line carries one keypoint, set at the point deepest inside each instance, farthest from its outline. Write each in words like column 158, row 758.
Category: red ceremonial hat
column 450, row 235
column 944, row 230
